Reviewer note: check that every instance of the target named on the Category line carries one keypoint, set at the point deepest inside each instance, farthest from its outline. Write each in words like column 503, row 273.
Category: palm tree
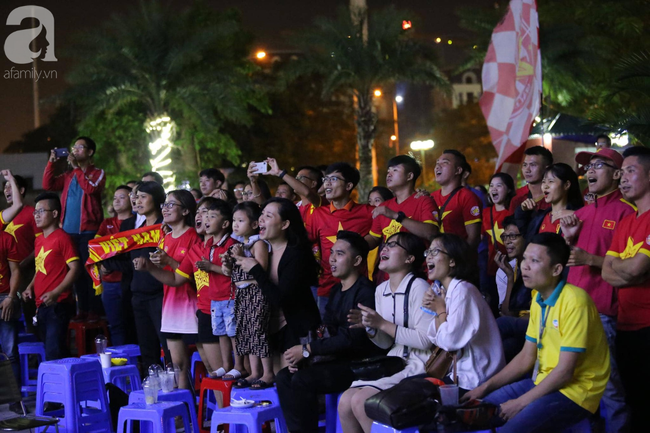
column 188, row 71
column 337, row 51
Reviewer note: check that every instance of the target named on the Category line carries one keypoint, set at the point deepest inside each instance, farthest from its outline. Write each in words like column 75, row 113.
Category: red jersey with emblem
column 632, row 237
column 599, row 221
column 24, row 231
column 463, row 209
column 8, row 253
column 423, row 209
column 53, row 253
column 492, row 230
column 522, row 194
column 325, row 223
column 210, row 286
column 179, row 303
column 110, row 226
column 549, row 226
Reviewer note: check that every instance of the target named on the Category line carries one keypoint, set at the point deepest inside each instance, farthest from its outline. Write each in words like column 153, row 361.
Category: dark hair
column 414, row 246
column 265, row 191
column 157, row 177
column 357, row 243
column 126, row 187
column 20, row 183
column 251, row 209
column 349, row 173
column 556, row 247
column 510, row 220
column 606, row 137
column 155, row 190
column 467, row 168
column 459, row 250
column 461, row 161
column 313, row 171
column 384, row 192
column 409, row 163
column 322, row 168
column 642, row 153
column 565, row 173
column 546, row 154
column 53, row 201
column 132, row 181
column 510, row 184
column 188, row 202
column 221, row 206
column 89, row 142
column 213, row 173
column 197, row 191
column 296, row 233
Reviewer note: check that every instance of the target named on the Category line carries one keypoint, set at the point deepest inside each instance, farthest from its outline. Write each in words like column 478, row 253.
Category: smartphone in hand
column 261, row 167
column 61, row 152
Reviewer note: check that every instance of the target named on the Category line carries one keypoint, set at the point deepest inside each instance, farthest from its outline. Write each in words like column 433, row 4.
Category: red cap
column 583, row 158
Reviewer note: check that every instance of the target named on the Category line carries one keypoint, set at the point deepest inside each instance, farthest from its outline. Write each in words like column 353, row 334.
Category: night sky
column 270, row 20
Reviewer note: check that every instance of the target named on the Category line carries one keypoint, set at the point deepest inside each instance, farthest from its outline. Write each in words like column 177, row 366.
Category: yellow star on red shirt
column 498, row 232
column 11, row 229
column 631, row 249
column 332, row 239
column 40, row 260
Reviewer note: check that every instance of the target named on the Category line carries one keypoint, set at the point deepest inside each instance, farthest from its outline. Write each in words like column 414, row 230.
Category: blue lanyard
column 542, row 325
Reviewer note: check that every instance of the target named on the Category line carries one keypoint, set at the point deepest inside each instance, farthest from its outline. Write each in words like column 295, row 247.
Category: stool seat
column 130, row 352
column 126, row 377
column 208, row 401
column 332, row 421
column 253, row 418
column 81, row 335
column 160, row 414
column 29, row 376
column 268, row 394
column 179, row 395
column 381, row 428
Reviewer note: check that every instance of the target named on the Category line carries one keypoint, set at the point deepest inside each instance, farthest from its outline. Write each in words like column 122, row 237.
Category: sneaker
column 80, row 317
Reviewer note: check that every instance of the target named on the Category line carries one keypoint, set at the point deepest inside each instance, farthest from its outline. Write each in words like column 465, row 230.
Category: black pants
column 147, row 310
column 299, row 392
column 53, row 328
column 633, row 352
column 87, row 301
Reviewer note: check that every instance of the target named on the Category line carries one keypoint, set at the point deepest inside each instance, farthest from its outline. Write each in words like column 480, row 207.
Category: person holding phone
column 82, row 185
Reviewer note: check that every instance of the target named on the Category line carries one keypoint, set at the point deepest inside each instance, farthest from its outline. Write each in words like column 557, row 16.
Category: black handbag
column 411, row 402
column 384, row 366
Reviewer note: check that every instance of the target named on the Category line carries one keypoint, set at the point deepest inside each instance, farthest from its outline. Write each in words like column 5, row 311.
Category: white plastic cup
column 105, row 359
column 100, row 344
column 449, row 395
column 167, row 381
column 150, row 394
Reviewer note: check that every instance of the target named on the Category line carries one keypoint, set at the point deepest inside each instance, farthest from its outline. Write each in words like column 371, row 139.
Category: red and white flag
column 512, row 79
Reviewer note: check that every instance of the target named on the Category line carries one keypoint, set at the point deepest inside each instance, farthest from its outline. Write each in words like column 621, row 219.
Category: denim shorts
column 223, row 317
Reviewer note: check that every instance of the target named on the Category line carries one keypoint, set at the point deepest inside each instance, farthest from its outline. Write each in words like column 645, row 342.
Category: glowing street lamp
column 399, row 99
column 377, row 93
column 423, row 146
column 161, row 131
column 260, row 55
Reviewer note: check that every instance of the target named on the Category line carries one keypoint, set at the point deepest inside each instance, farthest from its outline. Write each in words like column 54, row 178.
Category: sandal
column 232, row 375
column 260, row 384
column 242, row 383
column 218, row 374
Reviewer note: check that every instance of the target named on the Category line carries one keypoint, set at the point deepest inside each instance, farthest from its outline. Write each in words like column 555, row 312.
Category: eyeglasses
column 393, row 244
column 78, row 147
column 247, row 193
column 332, row 179
column 238, row 190
column 511, row 237
column 434, row 252
column 40, row 212
column 170, row 205
column 598, row 165
column 300, row 178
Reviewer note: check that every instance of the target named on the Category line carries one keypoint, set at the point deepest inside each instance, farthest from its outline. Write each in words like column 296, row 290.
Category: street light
column 422, row 146
column 260, row 55
column 399, row 99
column 377, row 93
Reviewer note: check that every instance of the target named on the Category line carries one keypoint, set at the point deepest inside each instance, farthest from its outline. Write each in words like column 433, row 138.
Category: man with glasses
column 343, row 213
column 82, row 185
column 590, row 231
column 57, row 267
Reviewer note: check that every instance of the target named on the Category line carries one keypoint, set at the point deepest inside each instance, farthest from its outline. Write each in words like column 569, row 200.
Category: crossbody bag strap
column 441, row 210
column 494, row 235
column 406, row 311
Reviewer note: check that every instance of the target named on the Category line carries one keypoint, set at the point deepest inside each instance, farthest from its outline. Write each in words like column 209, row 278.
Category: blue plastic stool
column 26, row 337
column 196, row 357
column 78, row 384
column 270, row 394
column 381, row 428
column 252, row 418
column 161, row 415
column 179, row 395
column 28, row 377
column 126, row 377
column 128, row 351
column 332, row 421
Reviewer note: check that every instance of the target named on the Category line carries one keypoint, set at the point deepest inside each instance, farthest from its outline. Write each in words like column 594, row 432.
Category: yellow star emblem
column 631, row 249
column 393, row 227
column 498, row 232
column 332, row 239
column 40, row 260
column 202, row 279
column 11, row 229
column 442, row 227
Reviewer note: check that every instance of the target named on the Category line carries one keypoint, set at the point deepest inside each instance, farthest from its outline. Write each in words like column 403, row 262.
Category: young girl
column 179, row 303
column 251, row 306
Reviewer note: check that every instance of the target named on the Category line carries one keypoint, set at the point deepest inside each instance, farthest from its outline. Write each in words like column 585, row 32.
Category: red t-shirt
column 53, row 253
column 423, row 209
column 463, row 209
column 596, row 233
column 307, row 209
column 110, row 226
column 632, row 237
column 549, row 226
column 24, row 231
column 492, row 230
column 522, row 194
column 218, row 286
column 8, row 253
column 325, row 223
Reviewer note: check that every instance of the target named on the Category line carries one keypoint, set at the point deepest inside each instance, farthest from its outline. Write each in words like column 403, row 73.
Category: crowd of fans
column 542, row 292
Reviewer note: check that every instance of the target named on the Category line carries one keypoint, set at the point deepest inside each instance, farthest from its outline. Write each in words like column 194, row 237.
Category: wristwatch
column 400, row 217
column 305, row 352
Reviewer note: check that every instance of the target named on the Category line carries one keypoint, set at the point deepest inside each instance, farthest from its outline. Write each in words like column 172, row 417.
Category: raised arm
column 7, row 215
